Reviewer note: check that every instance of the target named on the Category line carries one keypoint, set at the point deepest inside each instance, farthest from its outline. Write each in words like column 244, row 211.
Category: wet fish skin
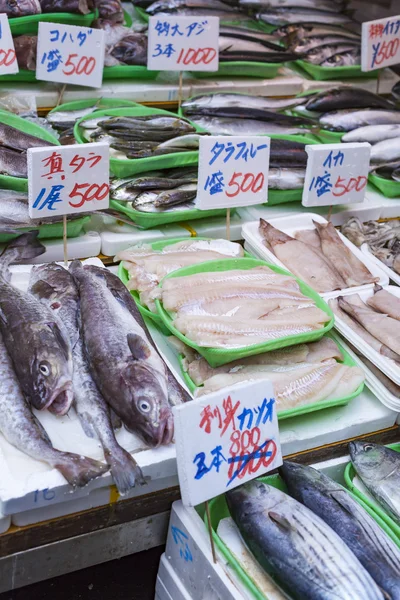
column 135, row 383
column 349, row 119
column 235, row 112
column 25, row 51
column 379, row 469
column 385, row 302
column 305, row 30
column 230, row 126
column 343, row 97
column 372, row 133
column 18, row 140
column 22, row 8
column 35, row 339
column 13, row 163
column 220, row 100
column 333, row 504
column 131, row 50
column 319, row 55
column 79, row 7
column 283, row 16
column 54, row 286
column 283, row 535
column 386, row 151
column 286, row 178
column 289, row 4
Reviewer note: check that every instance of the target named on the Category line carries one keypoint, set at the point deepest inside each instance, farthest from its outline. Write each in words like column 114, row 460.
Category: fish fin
column 140, row 350
column 124, row 469
column 24, row 247
column 79, row 470
column 377, row 288
column 337, row 497
column 176, row 393
column 60, row 337
column 42, row 289
column 115, row 420
column 281, row 521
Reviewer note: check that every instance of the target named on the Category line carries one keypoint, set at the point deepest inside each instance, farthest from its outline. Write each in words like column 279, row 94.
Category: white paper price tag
column 336, row 174
column 70, row 54
column 8, row 59
column 380, row 43
column 233, row 171
column 225, row 439
column 68, row 179
column 183, row 43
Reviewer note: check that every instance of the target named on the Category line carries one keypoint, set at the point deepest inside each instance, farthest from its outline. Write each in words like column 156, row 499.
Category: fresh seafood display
column 296, row 547
column 205, row 307
column 13, row 146
column 24, row 8
column 379, row 469
column 146, row 267
column 124, row 46
column 318, row 256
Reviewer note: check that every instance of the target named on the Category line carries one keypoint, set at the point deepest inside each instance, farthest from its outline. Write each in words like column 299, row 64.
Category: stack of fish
column 158, row 191
column 301, row 374
column 58, row 339
column 383, row 239
column 146, row 267
column 240, row 114
column 140, row 136
column 13, row 146
column 378, row 468
column 238, row 308
column 124, row 46
column 226, row 10
column 24, row 8
column 318, row 542
column 377, row 321
column 317, row 256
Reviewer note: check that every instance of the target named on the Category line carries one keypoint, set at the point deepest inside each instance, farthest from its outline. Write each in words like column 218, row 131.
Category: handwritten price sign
column 336, row 174
column 380, row 43
column 68, row 179
column 225, row 439
column 70, row 54
column 183, row 43
column 8, row 59
column 233, row 171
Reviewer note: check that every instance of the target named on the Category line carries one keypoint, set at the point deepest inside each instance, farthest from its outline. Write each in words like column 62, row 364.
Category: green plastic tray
column 219, row 356
column 51, row 230
column 128, row 72
column 219, row 510
column 20, row 184
column 126, row 167
column 301, row 410
column 22, row 75
column 390, row 189
column 147, row 220
column 29, row 25
column 375, row 510
column 319, row 73
column 241, row 68
column 97, row 103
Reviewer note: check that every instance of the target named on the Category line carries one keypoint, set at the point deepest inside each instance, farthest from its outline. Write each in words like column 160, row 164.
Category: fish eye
column 144, row 406
column 368, row 447
column 44, row 369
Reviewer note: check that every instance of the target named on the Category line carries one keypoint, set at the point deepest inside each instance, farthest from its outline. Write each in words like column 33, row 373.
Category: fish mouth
column 61, row 400
column 164, row 433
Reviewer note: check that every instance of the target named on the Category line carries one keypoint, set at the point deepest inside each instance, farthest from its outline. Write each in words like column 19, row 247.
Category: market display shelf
column 29, row 25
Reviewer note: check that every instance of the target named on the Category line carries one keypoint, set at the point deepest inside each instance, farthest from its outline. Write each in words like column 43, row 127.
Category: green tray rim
column 319, row 73
column 29, row 24
column 390, row 189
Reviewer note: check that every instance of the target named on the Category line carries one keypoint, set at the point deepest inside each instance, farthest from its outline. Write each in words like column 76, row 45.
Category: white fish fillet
column 223, row 247
column 243, row 307
column 386, row 303
column 258, row 275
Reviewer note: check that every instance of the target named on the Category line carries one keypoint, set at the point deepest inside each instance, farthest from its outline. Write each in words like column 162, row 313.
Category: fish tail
column 24, row 247
column 124, row 469
column 75, row 267
column 79, row 470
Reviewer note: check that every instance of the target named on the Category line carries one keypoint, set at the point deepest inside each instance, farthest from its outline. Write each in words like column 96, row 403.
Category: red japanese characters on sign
column 68, row 179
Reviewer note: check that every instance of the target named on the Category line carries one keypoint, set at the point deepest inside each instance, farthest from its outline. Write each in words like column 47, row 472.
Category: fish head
column 51, row 372
column 146, row 409
column 306, row 484
column 371, row 461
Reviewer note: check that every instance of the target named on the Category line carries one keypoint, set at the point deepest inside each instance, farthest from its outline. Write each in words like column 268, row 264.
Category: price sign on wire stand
column 70, row 54
column 8, row 59
column 380, row 43
column 65, row 180
column 336, row 174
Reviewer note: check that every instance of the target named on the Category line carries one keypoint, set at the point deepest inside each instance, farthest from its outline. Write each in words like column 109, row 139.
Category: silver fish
column 286, row 178
column 372, row 133
column 284, row 16
column 347, row 120
column 13, row 163
column 319, row 55
column 230, row 126
column 242, row 100
column 344, row 59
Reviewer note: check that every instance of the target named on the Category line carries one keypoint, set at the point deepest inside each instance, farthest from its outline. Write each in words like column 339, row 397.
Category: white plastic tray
column 290, row 225
column 386, row 365
column 393, row 276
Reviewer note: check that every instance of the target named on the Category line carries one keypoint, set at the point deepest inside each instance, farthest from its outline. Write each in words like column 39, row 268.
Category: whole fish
column 79, row 7
column 18, row 140
column 287, row 153
column 386, row 151
column 22, row 8
column 190, row 141
column 54, row 286
column 231, row 126
column 304, row 30
column 221, row 100
column 135, row 382
column 283, row 16
column 23, row 430
column 343, row 97
column 65, row 119
column 319, row 55
column 377, row 553
column 289, row 4
column 35, row 339
column 305, row 45
column 379, row 469
column 237, row 112
column 343, row 59
column 268, row 57
column 227, row 43
column 349, row 119
column 171, row 5
column 130, row 50
column 158, row 183
column 25, row 51
column 308, row 559
column 372, row 133
column 13, row 163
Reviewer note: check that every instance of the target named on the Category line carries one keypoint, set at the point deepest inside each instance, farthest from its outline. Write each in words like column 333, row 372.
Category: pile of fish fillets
column 315, row 540
column 76, row 338
column 301, row 374
column 377, row 321
column 317, row 256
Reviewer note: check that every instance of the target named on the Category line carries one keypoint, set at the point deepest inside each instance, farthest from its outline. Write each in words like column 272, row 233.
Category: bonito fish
column 294, row 545
column 55, row 288
column 23, row 430
column 378, row 554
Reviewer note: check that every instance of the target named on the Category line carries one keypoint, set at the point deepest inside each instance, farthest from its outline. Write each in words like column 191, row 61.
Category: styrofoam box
column 162, row 592
column 289, row 225
column 201, row 576
column 170, row 581
column 386, row 365
column 393, row 276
